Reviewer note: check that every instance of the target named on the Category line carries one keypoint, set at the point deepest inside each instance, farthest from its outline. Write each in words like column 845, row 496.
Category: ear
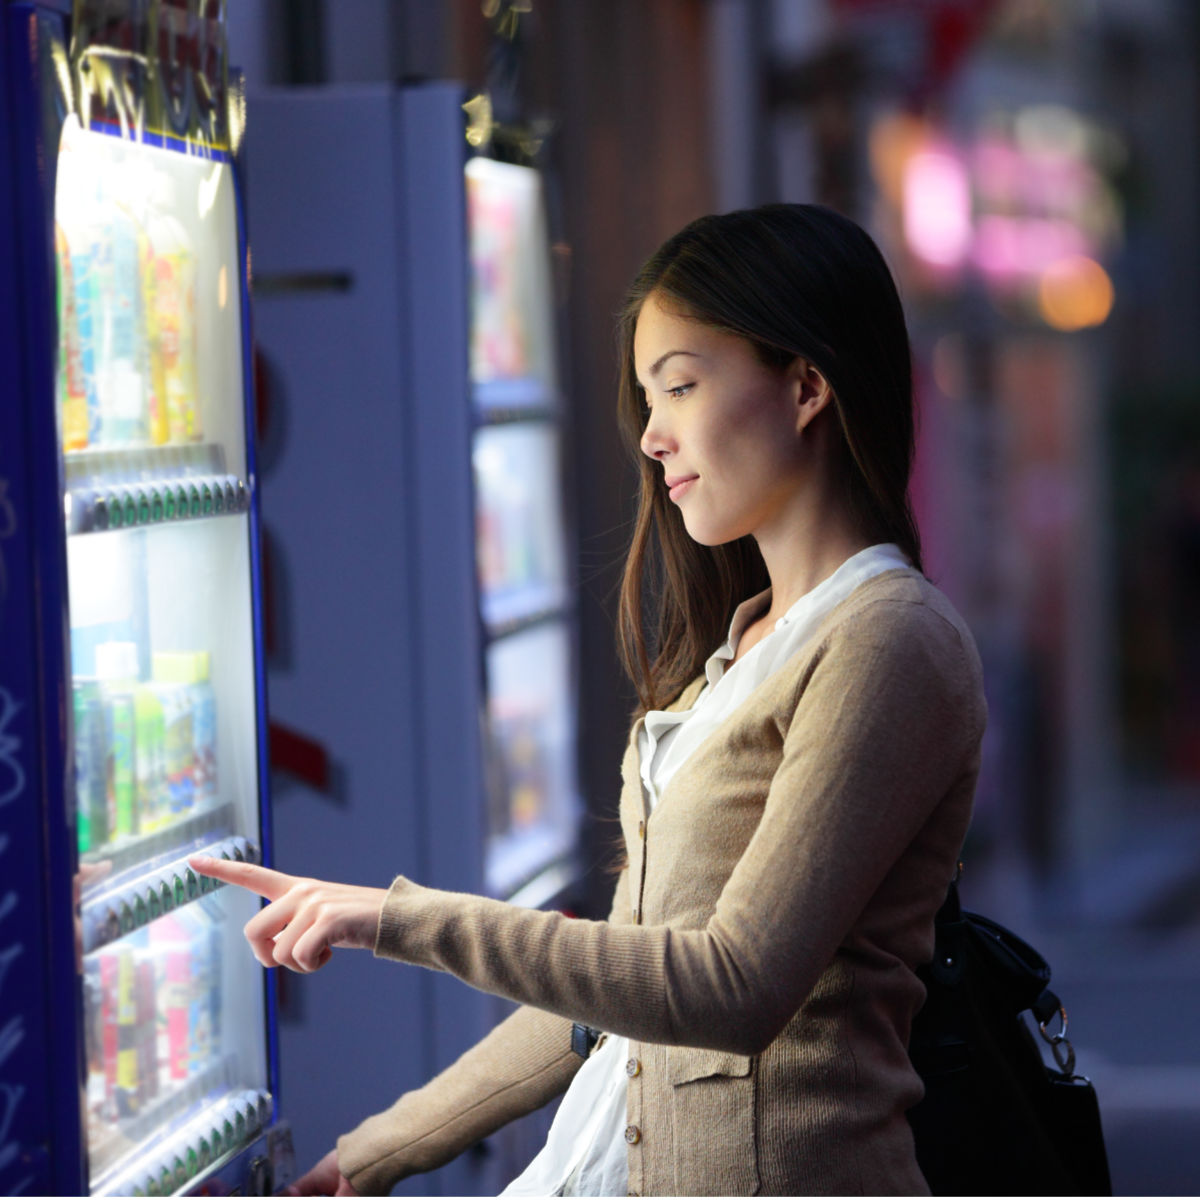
column 811, row 391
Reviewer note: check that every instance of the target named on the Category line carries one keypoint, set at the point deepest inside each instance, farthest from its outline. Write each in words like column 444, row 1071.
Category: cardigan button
column 642, row 829
column 633, row 1068
column 633, row 1134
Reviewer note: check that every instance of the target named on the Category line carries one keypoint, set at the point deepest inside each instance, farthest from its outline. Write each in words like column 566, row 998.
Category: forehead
column 662, row 327
column 657, row 321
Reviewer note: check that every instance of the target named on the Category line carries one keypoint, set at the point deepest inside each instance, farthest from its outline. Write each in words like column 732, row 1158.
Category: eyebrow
column 662, row 358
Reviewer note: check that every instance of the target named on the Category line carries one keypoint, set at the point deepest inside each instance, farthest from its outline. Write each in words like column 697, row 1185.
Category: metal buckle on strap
column 1063, row 1051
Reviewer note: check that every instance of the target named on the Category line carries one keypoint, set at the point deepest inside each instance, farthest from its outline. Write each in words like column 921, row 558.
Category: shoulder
column 896, row 643
column 901, row 610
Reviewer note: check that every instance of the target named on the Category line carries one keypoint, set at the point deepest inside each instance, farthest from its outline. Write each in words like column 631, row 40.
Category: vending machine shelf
column 145, row 892
column 206, row 820
column 106, row 506
column 511, row 610
column 189, row 1132
column 521, row 399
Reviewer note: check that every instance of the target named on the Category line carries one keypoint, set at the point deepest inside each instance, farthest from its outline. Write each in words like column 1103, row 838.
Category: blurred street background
column 1030, row 169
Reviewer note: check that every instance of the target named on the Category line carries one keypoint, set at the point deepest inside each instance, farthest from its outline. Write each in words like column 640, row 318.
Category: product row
column 132, row 904
column 228, row 1122
column 126, row 307
column 152, row 1010
column 145, row 750
column 152, row 501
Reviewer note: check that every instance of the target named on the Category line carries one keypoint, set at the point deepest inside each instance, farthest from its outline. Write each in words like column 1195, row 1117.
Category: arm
column 521, row 1065
column 888, row 720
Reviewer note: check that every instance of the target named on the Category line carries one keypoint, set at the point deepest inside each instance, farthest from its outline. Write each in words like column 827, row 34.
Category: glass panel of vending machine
column 521, row 560
column 152, row 425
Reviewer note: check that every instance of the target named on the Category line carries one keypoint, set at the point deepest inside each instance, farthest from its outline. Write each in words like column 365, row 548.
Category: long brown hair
column 795, row 280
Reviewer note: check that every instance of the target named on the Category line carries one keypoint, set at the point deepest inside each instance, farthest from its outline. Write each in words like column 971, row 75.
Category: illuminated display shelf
column 497, row 401
column 141, row 894
column 510, row 610
column 208, row 1122
column 127, row 488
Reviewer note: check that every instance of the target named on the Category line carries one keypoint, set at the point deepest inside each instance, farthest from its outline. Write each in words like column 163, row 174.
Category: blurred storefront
column 1029, row 169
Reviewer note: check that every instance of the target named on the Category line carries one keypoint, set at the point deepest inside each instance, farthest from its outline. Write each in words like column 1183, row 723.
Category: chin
column 708, row 536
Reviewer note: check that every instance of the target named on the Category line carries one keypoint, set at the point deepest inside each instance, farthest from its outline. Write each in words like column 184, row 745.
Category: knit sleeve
column 524, row 1063
column 890, row 716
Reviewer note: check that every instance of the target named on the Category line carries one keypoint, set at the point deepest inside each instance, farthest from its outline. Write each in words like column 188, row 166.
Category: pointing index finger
column 264, row 881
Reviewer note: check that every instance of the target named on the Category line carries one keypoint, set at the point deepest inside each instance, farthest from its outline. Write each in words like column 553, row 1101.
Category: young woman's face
column 723, row 425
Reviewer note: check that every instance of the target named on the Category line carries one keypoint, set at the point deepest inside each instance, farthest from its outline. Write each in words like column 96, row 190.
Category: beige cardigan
column 762, row 941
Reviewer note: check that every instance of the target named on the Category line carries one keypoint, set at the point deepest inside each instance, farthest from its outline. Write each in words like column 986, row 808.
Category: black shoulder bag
column 996, row 1120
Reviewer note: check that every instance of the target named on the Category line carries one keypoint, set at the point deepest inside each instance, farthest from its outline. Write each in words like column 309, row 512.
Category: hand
column 306, row 917
column 323, row 1180
column 88, row 874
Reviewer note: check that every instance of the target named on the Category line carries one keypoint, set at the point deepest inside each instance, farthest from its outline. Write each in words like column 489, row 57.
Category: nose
column 655, row 443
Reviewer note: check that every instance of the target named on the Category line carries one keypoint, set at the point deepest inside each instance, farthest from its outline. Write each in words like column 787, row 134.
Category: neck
column 805, row 550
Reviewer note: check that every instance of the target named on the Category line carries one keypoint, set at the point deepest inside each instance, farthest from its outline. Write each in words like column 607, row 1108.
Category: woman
column 797, row 783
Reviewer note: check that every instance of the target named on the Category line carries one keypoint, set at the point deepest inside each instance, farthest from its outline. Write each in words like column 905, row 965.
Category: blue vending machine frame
column 41, row 1133
column 42, row 1058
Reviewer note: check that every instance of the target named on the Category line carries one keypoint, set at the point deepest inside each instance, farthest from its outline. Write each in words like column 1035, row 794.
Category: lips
column 677, row 485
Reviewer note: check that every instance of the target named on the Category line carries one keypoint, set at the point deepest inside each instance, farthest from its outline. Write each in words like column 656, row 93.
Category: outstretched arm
column 881, row 733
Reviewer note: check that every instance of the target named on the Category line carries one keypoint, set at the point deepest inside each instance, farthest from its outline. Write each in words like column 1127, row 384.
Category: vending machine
column 419, row 535
column 137, row 1042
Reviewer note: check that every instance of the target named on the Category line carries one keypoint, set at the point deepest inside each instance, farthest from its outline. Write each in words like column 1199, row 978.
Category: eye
column 680, row 390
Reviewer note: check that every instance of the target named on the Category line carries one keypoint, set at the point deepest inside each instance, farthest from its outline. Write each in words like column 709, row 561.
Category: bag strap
column 949, row 961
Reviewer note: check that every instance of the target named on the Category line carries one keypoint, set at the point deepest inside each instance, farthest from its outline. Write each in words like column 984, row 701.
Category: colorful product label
column 174, row 305
column 72, row 388
column 82, row 271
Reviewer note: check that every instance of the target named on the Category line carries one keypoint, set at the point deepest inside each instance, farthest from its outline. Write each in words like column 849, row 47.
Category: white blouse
column 585, row 1152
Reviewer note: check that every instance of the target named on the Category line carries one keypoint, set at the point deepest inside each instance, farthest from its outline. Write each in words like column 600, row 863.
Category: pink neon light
column 937, row 208
column 1009, row 246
